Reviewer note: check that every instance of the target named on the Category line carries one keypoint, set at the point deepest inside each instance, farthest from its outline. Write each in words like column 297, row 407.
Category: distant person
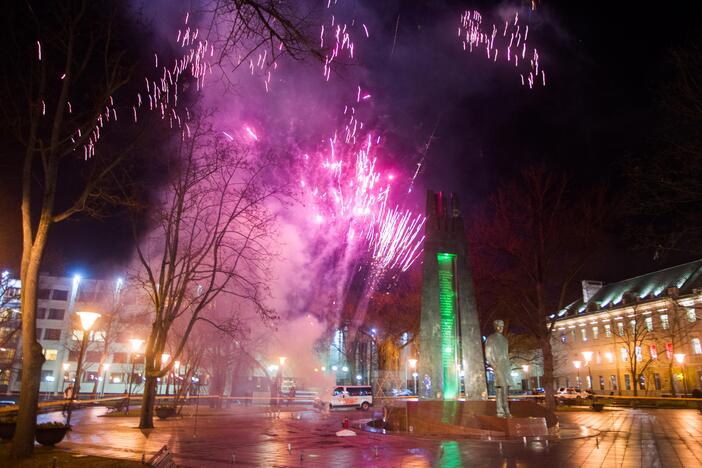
column 291, row 394
column 427, row 386
column 67, row 395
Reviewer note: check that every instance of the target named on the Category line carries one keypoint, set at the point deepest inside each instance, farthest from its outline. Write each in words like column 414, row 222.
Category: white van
column 360, row 396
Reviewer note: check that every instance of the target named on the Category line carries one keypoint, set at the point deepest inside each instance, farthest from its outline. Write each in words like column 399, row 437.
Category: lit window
column 620, row 329
column 624, row 354
column 691, row 315
column 583, row 333
column 639, row 354
column 632, row 324
column 696, row 346
column 649, row 323
column 608, row 330
column 664, row 321
column 595, row 332
column 653, row 351
column 627, row 381
column 669, row 350
column 51, row 354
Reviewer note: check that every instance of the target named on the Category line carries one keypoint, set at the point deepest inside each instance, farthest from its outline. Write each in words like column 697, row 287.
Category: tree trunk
column 146, row 418
column 32, row 356
column 672, row 381
column 549, row 396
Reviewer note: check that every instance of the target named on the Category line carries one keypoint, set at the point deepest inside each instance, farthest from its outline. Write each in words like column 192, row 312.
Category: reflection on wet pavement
column 248, row 436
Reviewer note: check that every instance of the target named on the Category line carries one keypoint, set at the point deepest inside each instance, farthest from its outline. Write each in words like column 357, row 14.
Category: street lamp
column 87, row 320
column 136, row 345
column 680, row 357
column 165, row 357
column 413, row 365
column 577, row 366
column 525, row 368
column 587, row 355
column 282, row 360
column 176, row 366
column 105, row 368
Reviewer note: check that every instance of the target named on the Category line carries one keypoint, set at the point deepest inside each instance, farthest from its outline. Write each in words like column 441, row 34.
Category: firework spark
column 510, row 45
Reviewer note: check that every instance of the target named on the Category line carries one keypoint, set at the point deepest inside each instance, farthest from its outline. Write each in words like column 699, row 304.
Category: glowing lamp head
column 335, row 368
column 106, row 366
column 76, row 280
column 66, row 366
column 587, row 355
column 525, row 367
column 176, row 365
column 324, row 368
column 412, row 363
column 165, row 357
column 577, row 364
column 358, row 377
column 282, row 360
column 679, row 357
column 136, row 344
column 345, row 369
column 87, row 319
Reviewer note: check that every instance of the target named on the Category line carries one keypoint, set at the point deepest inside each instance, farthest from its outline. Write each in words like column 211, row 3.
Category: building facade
column 639, row 336
column 109, row 357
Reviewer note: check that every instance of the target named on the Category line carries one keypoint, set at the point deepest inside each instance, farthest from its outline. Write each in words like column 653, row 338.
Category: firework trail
column 507, row 43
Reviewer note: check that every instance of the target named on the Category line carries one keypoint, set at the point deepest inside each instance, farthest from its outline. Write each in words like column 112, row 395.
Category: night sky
column 607, row 63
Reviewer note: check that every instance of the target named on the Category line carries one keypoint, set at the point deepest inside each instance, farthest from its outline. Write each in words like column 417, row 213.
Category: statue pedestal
column 474, row 418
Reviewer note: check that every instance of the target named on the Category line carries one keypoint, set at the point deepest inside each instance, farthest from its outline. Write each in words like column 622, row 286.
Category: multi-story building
column 109, row 356
column 636, row 336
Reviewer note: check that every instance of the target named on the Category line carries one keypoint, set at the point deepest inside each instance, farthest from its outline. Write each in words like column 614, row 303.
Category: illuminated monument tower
column 449, row 338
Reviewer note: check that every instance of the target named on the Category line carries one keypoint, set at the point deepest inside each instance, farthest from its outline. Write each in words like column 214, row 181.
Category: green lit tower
column 450, row 346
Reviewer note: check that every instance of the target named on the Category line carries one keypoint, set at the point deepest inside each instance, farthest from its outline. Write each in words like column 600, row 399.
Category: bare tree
column 675, row 331
column 530, row 250
column 62, row 68
column 10, row 320
column 634, row 334
column 209, row 236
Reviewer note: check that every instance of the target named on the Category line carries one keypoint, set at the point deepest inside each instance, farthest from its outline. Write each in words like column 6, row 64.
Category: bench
column 162, row 459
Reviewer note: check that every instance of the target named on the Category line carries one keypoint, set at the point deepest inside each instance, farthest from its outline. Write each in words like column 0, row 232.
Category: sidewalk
column 628, row 438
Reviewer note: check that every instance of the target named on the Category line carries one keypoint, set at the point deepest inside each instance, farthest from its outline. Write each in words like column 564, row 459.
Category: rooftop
column 686, row 278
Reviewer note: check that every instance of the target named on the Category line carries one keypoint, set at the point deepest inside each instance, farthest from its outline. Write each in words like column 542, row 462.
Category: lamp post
column 525, row 368
column 165, row 357
column 587, row 355
column 176, row 366
column 105, row 368
column 136, row 344
column 87, row 320
column 413, row 365
column 680, row 358
column 577, row 366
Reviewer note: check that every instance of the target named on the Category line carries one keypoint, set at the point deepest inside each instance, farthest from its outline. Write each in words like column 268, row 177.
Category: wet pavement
column 248, row 436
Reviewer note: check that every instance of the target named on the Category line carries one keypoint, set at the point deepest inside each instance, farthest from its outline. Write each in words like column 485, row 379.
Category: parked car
column 360, row 396
column 402, row 392
column 571, row 393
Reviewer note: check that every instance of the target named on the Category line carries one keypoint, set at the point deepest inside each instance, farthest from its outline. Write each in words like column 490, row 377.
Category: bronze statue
column 497, row 356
